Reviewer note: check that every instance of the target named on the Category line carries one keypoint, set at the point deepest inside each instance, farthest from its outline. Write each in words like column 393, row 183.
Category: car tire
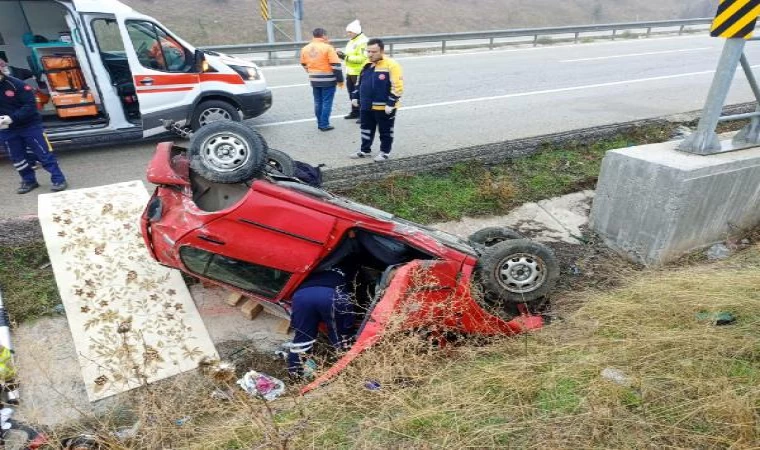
column 490, row 236
column 280, row 163
column 212, row 111
column 227, row 152
column 517, row 271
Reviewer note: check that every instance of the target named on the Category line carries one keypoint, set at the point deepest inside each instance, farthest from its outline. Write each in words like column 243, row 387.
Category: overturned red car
column 228, row 210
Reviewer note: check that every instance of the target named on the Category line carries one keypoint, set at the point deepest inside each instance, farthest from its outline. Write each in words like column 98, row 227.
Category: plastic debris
column 575, row 270
column 222, row 395
column 263, row 385
column 181, row 421
column 616, row 376
column 716, row 318
column 59, row 309
column 372, row 385
column 718, row 251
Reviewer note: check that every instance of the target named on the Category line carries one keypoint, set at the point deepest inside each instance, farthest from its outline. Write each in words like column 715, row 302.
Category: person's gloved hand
column 340, row 85
column 389, row 109
column 355, row 103
column 5, row 122
column 341, row 55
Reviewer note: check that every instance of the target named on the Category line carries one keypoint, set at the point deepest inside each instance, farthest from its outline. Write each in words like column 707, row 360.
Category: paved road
column 459, row 100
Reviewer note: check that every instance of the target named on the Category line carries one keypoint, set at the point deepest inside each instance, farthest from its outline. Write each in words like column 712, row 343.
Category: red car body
column 285, row 230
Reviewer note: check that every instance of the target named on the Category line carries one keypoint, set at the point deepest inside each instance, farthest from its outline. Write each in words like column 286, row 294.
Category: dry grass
column 238, row 21
column 692, row 384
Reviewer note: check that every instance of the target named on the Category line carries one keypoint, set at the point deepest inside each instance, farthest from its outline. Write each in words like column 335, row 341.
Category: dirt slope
column 206, row 22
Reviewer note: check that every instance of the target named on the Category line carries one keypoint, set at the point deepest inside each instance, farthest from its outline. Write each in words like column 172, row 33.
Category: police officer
column 21, row 129
column 321, row 297
column 377, row 94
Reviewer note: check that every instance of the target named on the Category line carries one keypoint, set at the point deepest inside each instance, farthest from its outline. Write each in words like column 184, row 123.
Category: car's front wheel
column 517, row 271
column 227, row 152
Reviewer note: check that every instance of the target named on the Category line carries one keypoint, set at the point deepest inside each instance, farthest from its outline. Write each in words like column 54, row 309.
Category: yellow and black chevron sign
column 264, row 8
column 735, row 19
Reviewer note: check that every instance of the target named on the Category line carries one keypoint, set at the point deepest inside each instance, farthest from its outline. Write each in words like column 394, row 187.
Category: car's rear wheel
column 490, row 236
column 227, row 152
column 517, row 271
column 212, row 111
column 280, row 163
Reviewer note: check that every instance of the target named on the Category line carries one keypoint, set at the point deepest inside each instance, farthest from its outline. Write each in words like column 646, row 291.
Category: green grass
column 470, row 189
column 29, row 289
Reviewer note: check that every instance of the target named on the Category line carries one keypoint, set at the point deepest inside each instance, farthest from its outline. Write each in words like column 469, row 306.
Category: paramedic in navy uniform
column 21, row 128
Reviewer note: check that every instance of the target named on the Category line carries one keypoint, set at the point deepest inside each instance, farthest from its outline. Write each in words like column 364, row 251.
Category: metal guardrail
column 491, row 36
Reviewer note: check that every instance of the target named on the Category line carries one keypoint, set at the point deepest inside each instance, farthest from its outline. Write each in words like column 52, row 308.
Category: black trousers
column 372, row 121
column 351, row 86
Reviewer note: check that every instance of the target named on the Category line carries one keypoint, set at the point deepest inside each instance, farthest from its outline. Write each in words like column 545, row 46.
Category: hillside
column 238, row 21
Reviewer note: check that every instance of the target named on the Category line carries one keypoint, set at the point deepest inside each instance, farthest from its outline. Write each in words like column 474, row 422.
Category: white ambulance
column 106, row 73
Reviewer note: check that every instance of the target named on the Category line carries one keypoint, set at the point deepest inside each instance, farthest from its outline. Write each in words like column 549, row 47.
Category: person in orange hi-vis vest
column 321, row 62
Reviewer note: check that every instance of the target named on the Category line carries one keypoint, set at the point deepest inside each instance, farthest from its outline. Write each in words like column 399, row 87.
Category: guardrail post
column 443, row 46
column 490, row 44
column 391, row 50
column 535, row 40
column 680, row 30
column 577, row 33
column 614, row 32
column 649, row 31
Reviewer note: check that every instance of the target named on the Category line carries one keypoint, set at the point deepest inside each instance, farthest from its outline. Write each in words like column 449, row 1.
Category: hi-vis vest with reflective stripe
column 322, row 63
column 356, row 54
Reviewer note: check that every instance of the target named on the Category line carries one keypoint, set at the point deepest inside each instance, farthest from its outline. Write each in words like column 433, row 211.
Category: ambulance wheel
column 280, row 163
column 490, row 236
column 212, row 111
column 517, row 271
column 227, row 152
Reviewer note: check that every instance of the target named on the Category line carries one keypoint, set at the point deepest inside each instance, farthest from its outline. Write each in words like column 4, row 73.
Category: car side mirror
column 201, row 65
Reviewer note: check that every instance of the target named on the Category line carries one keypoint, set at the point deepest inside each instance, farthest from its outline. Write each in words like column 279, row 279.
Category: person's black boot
column 352, row 115
column 58, row 187
column 27, row 187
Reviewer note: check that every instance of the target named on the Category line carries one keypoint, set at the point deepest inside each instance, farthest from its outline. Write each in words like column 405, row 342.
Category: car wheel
column 517, row 271
column 227, row 152
column 280, row 163
column 212, row 111
column 488, row 237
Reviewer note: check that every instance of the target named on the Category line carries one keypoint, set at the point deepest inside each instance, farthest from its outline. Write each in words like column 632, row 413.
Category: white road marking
column 289, row 86
column 663, row 52
column 518, row 94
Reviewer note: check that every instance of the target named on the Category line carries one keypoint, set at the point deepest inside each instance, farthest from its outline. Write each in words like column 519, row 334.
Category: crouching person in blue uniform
column 321, row 298
column 21, row 129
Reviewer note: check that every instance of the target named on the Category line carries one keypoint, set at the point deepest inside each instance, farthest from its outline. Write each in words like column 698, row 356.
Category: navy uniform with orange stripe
column 25, row 131
column 377, row 94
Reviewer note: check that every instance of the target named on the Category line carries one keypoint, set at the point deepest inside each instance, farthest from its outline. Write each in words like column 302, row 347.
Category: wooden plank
column 283, row 327
column 234, row 298
column 251, row 309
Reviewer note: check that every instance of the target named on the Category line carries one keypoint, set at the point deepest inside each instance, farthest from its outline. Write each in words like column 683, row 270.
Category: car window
column 108, row 36
column 261, row 280
column 157, row 50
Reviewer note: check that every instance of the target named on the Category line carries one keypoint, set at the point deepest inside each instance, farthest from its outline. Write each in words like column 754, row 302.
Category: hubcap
column 225, row 152
column 212, row 115
column 522, row 273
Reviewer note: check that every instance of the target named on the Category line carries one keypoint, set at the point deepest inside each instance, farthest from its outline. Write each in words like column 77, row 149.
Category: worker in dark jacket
column 321, row 298
column 21, row 128
column 377, row 94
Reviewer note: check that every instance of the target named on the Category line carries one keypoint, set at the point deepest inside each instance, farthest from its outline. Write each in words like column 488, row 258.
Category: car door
column 164, row 73
column 262, row 243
